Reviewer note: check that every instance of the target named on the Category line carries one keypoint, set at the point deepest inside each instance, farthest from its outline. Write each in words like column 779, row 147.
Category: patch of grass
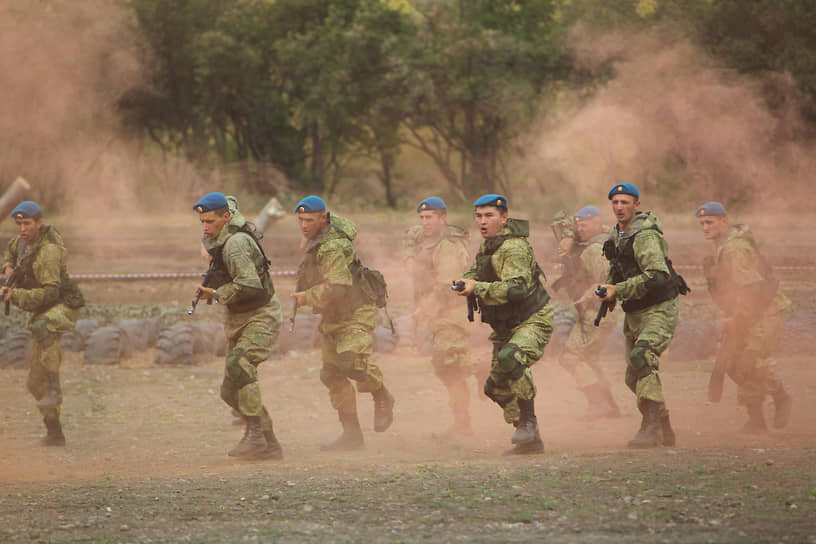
column 545, row 503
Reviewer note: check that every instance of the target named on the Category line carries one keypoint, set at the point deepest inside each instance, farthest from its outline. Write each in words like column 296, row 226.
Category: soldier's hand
column 564, row 246
column 610, row 293
column 470, row 285
column 7, row 271
column 6, row 293
column 300, row 298
column 206, row 292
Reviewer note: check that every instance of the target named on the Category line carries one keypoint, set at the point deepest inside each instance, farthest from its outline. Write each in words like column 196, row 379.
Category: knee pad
column 238, row 368
column 349, row 363
column 490, row 392
column 509, row 358
column 229, row 395
column 640, row 360
column 330, row 378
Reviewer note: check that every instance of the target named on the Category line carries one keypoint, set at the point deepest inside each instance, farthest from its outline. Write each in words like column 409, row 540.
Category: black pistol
column 459, row 286
column 600, row 292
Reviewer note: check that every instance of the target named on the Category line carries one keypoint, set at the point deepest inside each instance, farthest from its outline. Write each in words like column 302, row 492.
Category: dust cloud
column 670, row 112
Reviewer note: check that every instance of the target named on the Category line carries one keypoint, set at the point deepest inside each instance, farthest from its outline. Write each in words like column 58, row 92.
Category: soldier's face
column 490, row 220
column 212, row 223
column 587, row 228
column 28, row 228
column 624, row 207
column 431, row 222
column 312, row 223
column 713, row 227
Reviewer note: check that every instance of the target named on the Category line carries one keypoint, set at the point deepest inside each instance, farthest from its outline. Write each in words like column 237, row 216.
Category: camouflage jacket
column 43, row 272
column 436, row 262
column 741, row 282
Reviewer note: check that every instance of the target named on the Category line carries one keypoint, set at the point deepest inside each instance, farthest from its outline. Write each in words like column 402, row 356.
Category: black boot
column 352, row 437
column 782, row 408
column 669, row 438
column 273, row 450
column 253, row 444
column 650, row 434
column 383, row 409
column 600, row 402
column 526, row 438
column 53, row 436
column 756, row 419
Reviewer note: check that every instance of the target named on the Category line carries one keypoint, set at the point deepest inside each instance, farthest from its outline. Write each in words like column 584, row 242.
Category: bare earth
column 146, row 456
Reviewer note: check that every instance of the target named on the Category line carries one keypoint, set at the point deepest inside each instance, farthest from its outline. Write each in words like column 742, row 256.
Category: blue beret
column 26, row 209
column 624, row 189
column 210, row 202
column 710, row 208
column 491, row 200
column 586, row 212
column 431, row 203
column 310, row 204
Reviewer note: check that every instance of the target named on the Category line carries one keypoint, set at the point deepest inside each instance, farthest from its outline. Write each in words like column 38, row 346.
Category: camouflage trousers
column 450, row 358
column 346, row 347
column 43, row 380
column 648, row 333
column 751, row 369
column 514, row 354
column 580, row 354
column 252, row 337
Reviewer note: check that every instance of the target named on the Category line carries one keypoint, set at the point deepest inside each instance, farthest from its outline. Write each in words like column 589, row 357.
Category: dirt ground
column 146, row 455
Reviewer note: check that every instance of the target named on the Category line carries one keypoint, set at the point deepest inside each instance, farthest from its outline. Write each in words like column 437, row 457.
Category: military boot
column 669, row 438
column 756, row 419
column 53, row 436
column 383, row 409
column 352, row 437
column 782, row 408
column 526, row 437
column 273, row 450
column 650, row 434
column 253, row 444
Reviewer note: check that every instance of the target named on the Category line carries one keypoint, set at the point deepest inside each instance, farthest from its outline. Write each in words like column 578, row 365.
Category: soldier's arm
column 47, row 266
column 245, row 284
column 410, row 241
column 333, row 259
column 741, row 263
column 652, row 264
column 514, row 262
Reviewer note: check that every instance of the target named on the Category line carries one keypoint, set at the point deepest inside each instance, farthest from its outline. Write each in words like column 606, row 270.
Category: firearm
column 600, row 292
column 206, row 279
column 473, row 306
column 10, row 281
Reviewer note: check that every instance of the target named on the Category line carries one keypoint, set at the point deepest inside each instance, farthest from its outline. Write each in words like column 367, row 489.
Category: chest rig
column 253, row 298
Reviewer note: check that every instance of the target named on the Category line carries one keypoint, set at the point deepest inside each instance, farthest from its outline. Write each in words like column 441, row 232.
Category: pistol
column 473, row 306
column 600, row 292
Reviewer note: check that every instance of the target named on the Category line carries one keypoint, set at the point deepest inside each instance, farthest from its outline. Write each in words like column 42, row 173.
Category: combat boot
column 669, row 438
column 650, row 434
column 53, row 435
column 527, row 428
column 383, row 409
column 273, row 447
column 782, row 408
column 253, row 444
column 352, row 437
column 756, row 419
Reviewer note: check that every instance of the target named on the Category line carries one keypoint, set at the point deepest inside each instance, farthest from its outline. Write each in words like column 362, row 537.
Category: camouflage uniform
column 252, row 315
column 329, row 277
column 44, row 289
column 743, row 286
column 435, row 262
column 579, row 357
column 647, row 288
column 516, row 305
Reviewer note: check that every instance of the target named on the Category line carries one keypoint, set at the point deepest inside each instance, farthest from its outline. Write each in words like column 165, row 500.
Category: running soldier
column 239, row 279
column 743, row 287
column 330, row 280
column 642, row 279
column 505, row 279
column 36, row 270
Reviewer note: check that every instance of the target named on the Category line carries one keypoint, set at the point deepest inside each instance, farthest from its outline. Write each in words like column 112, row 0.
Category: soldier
column 330, row 280
column 505, row 279
column 36, row 270
column 240, row 280
column 642, row 278
column 742, row 285
column 437, row 253
column 580, row 245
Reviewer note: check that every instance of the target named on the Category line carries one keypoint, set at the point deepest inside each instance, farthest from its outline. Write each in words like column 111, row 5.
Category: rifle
column 473, row 306
column 600, row 292
column 204, row 281
column 10, row 281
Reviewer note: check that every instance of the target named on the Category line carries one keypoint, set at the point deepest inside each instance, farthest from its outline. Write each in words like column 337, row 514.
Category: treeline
column 309, row 87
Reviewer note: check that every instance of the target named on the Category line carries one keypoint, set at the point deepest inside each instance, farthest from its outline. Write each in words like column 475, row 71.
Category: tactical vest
column 504, row 317
column 624, row 266
column 219, row 275
column 757, row 299
column 424, row 278
column 24, row 278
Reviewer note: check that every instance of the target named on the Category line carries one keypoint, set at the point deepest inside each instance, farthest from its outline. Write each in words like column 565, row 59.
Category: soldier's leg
column 342, row 396
column 43, row 378
column 452, row 366
column 580, row 359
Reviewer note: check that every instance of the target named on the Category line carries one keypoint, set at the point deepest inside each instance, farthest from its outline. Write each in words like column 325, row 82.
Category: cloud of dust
column 64, row 65
column 672, row 113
